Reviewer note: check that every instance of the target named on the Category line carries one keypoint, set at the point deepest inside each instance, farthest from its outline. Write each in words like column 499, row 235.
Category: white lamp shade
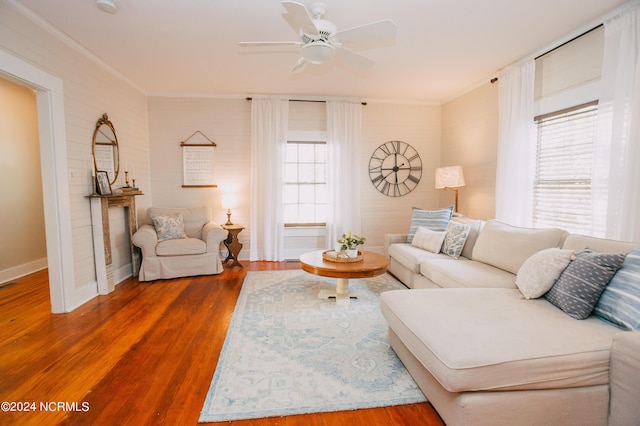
column 318, row 53
column 449, row 177
column 228, row 201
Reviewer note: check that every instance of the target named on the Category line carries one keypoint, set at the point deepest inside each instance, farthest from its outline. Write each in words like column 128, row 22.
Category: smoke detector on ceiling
column 108, row 6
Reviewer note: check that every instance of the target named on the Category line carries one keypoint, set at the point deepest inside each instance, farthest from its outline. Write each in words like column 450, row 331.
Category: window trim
column 564, row 110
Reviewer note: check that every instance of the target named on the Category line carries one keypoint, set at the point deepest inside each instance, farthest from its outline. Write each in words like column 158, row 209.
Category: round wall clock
column 395, row 168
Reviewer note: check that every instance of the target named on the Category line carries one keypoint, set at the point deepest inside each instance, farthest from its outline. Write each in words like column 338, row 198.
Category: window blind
column 564, row 158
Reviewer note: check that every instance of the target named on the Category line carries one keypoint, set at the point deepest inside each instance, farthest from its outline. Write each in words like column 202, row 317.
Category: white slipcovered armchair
column 179, row 242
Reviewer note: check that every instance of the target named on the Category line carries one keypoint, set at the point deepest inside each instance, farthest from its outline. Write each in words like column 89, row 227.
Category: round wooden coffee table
column 371, row 265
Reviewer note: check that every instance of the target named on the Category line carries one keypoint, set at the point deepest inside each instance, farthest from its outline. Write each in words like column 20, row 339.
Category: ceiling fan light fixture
column 318, row 53
column 108, row 6
column 320, row 40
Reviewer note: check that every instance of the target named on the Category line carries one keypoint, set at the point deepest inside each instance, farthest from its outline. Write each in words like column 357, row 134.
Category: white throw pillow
column 169, row 227
column 540, row 271
column 455, row 236
column 427, row 239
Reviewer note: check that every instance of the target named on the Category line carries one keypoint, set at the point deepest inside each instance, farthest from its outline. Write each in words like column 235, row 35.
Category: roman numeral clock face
column 395, row 168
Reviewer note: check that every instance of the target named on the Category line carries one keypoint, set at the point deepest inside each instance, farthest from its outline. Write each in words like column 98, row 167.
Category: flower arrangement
column 350, row 241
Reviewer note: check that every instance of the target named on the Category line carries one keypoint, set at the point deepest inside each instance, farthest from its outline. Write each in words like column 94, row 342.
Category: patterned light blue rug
column 289, row 352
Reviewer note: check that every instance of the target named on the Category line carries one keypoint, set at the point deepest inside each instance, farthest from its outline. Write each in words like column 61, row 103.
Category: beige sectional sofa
column 485, row 355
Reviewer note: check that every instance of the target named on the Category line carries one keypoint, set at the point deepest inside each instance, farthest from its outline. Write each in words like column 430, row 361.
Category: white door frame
column 55, row 186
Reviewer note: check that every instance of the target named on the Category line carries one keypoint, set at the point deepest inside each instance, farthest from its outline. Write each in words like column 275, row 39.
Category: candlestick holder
column 94, row 183
column 126, row 179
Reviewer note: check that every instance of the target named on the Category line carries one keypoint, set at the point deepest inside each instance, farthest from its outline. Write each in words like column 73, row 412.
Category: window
column 564, row 157
column 305, row 184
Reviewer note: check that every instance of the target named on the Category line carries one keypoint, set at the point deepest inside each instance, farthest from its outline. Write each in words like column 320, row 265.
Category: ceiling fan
column 320, row 39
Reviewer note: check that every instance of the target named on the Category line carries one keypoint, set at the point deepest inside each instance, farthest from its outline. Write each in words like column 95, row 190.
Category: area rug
column 289, row 352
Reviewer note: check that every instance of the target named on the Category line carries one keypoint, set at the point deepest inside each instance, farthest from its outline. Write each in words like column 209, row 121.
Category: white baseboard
column 82, row 295
column 87, row 292
column 16, row 272
column 122, row 273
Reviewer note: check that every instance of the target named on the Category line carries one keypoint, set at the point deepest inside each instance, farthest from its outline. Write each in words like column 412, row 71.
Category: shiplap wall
column 89, row 91
column 228, row 123
column 225, row 121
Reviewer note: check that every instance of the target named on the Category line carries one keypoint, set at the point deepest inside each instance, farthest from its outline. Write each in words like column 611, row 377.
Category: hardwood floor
column 142, row 355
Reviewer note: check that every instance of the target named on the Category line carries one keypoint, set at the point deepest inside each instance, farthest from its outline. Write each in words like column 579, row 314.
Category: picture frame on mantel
column 102, row 183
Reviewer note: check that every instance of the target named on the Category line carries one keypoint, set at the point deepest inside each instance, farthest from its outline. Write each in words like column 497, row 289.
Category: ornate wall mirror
column 106, row 153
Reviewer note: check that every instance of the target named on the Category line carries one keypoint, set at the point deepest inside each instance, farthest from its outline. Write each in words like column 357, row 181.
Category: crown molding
column 64, row 38
column 291, row 96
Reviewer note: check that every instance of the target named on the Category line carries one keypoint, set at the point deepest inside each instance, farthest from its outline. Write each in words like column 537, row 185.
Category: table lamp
column 450, row 177
column 228, row 202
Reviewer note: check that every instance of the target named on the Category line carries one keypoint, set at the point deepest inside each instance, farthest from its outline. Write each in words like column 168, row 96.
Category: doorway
column 22, row 215
column 53, row 157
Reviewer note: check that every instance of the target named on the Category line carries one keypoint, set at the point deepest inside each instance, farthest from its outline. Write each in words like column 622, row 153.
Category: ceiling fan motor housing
column 325, row 28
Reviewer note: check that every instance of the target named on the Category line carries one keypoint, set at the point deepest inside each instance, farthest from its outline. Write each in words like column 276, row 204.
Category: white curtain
column 269, row 122
column 344, row 122
column 516, row 145
column 616, row 171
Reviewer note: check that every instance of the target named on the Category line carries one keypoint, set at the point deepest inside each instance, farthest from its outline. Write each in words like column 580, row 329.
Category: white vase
column 352, row 253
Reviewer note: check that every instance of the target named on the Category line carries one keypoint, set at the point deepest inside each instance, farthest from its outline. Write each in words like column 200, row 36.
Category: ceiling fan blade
column 270, row 43
column 354, row 59
column 299, row 66
column 375, row 30
column 301, row 17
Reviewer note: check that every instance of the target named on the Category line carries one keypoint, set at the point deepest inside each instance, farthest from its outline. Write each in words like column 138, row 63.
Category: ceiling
column 442, row 48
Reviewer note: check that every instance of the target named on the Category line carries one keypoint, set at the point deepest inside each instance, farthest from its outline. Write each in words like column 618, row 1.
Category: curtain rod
column 493, row 80
column 568, row 41
column 248, row 98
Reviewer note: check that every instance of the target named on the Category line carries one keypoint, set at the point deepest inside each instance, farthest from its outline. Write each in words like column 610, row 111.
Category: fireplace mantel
column 100, row 205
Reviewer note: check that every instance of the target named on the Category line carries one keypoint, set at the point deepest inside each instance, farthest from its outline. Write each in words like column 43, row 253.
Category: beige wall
column 89, row 90
column 470, row 139
column 22, row 214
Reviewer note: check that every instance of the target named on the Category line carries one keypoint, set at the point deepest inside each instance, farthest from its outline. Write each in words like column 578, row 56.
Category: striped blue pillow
column 435, row 220
column 620, row 300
